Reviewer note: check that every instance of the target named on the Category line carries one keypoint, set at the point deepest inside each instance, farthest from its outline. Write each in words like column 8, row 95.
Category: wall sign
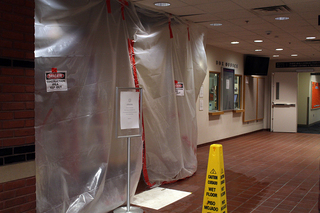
column 298, row 64
column 226, row 64
column 56, row 81
column 179, row 88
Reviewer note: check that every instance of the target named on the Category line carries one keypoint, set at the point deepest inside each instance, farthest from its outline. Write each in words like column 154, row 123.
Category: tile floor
column 265, row 172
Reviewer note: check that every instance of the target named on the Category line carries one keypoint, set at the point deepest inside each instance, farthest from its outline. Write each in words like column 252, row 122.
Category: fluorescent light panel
column 216, row 24
column 281, row 18
column 162, row 4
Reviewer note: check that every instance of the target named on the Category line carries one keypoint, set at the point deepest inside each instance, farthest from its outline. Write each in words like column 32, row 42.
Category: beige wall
column 303, row 94
column 212, row 128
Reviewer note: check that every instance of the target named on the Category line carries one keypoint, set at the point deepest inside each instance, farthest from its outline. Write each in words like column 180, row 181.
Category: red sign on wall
column 315, row 95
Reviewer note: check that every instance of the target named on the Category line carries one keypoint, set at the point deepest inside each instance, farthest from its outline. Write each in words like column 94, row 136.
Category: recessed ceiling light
column 258, row 50
column 310, row 37
column 216, row 24
column 275, row 56
column 294, row 55
column 258, row 41
column 281, row 18
column 279, row 49
column 234, row 42
column 162, row 4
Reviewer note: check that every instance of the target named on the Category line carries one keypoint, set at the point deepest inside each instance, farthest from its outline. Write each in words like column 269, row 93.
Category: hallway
column 265, row 172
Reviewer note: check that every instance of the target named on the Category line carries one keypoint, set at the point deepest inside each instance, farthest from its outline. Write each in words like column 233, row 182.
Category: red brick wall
column 18, row 196
column 17, row 135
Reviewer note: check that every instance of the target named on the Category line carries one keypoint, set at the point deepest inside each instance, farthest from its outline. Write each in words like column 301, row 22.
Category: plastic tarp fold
column 81, row 166
column 168, row 51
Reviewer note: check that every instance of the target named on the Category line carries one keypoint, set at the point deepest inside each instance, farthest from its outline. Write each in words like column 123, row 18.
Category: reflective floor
column 265, row 172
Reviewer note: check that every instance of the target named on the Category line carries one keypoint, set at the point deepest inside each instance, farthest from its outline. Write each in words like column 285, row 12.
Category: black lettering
column 223, row 207
column 223, row 193
column 222, row 176
column 211, row 208
column 222, row 182
column 212, row 182
column 211, row 203
column 211, row 189
column 213, row 177
column 211, row 194
column 223, row 202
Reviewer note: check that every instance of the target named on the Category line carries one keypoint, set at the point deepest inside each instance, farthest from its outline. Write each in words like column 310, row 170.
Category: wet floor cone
column 215, row 198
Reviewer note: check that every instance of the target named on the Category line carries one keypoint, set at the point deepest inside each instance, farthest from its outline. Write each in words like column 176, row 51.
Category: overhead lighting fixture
column 279, row 49
column 294, row 55
column 275, row 56
column 258, row 41
column 216, row 24
column 258, row 50
column 281, row 18
column 310, row 37
column 162, row 4
column 234, row 42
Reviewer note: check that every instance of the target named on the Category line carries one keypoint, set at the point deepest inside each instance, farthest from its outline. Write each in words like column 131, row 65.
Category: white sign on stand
column 128, row 124
column 129, row 110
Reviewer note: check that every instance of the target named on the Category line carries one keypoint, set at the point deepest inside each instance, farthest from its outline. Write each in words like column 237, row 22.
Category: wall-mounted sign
column 179, row 88
column 298, row 64
column 56, row 81
column 227, row 64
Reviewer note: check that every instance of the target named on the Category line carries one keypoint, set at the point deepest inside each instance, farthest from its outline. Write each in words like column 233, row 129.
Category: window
column 228, row 89
column 214, row 91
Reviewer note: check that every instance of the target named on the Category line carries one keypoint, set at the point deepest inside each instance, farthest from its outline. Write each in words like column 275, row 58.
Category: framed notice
column 128, row 111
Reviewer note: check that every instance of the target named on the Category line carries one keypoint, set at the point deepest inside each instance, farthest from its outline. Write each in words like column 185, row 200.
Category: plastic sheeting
column 169, row 50
column 81, row 166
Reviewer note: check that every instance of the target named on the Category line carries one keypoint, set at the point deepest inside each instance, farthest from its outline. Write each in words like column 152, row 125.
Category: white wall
column 212, row 128
column 303, row 94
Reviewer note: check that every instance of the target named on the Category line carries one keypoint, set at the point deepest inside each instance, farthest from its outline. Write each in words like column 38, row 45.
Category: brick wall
column 18, row 196
column 17, row 135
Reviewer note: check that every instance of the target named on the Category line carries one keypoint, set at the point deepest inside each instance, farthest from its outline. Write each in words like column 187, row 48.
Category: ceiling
column 247, row 20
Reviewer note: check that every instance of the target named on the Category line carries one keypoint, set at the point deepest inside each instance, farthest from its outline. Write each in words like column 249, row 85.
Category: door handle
column 283, row 104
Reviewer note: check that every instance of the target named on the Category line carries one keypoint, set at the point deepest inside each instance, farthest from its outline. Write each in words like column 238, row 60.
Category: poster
column 129, row 110
column 56, row 81
column 315, row 95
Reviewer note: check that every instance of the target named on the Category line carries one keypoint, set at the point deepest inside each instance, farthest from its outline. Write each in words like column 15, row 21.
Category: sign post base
column 133, row 209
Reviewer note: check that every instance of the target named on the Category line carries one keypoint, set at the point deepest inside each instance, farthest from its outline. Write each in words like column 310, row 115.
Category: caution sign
column 215, row 197
column 56, row 81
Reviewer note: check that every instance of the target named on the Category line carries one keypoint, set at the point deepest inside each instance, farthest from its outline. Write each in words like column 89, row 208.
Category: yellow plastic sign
column 215, row 197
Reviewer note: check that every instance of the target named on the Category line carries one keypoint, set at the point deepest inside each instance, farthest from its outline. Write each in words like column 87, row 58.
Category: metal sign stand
column 128, row 135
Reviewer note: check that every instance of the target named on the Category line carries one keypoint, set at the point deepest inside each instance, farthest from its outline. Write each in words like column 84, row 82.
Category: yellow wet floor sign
column 215, row 198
